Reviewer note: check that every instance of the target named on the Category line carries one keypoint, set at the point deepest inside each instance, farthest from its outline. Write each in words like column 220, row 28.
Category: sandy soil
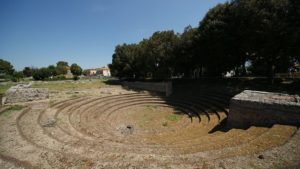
column 111, row 127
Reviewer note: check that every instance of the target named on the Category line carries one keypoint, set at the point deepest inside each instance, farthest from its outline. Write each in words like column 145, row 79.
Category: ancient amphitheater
column 142, row 130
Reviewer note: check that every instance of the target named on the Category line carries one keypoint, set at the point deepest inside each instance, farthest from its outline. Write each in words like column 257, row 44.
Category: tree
column 293, row 25
column 27, row 71
column 86, row 72
column 187, row 58
column 272, row 35
column 76, row 69
column 41, row 74
column 162, row 45
column 217, row 40
column 62, row 68
column 6, row 67
column 17, row 76
column 52, row 70
column 125, row 59
column 263, row 32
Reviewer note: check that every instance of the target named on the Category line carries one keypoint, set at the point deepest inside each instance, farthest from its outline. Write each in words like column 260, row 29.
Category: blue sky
column 41, row 32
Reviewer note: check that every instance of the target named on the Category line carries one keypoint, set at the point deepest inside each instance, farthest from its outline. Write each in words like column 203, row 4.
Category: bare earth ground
column 88, row 124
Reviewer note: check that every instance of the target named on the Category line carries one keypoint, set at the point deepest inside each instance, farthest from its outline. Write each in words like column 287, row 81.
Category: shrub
column 17, row 76
column 59, row 77
column 41, row 74
column 75, row 77
column 76, row 69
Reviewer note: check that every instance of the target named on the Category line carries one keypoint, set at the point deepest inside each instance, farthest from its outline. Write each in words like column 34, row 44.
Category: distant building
column 93, row 72
column 103, row 71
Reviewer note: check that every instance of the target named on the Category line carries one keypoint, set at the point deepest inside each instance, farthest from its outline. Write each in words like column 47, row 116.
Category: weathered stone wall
column 263, row 109
column 24, row 93
column 164, row 87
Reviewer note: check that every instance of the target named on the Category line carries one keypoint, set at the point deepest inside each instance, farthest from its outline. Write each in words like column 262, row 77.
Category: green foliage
column 76, row 70
column 187, row 58
column 6, row 68
column 59, row 77
column 52, row 70
column 62, row 68
column 62, row 63
column 173, row 117
column 75, row 77
column 4, row 87
column 41, row 74
column 68, row 85
column 28, row 72
column 86, row 72
column 17, row 76
column 150, row 58
column 264, row 32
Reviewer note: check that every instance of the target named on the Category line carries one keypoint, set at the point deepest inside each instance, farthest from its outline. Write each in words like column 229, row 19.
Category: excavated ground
column 126, row 129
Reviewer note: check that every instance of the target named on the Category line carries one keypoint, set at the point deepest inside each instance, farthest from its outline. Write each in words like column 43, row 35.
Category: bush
column 17, row 76
column 41, row 74
column 14, row 79
column 27, row 71
column 76, row 69
column 59, row 77
column 75, row 77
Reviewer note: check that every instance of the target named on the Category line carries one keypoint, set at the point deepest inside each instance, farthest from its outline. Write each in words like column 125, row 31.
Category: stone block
column 263, row 109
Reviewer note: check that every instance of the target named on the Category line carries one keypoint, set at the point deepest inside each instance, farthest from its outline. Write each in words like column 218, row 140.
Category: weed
column 173, row 117
column 7, row 112
column 150, row 107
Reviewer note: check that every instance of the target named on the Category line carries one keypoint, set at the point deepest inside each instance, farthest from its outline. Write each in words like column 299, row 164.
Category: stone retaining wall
column 263, row 109
column 164, row 87
column 24, row 93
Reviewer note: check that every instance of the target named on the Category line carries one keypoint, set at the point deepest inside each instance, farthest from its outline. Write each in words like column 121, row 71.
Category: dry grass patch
column 70, row 84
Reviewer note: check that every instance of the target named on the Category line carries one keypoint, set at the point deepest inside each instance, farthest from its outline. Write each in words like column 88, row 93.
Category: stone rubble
column 24, row 93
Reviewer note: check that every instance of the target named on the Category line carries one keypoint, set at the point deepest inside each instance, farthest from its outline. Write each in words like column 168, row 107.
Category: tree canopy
column 6, row 67
column 62, row 67
column 261, row 32
column 76, row 69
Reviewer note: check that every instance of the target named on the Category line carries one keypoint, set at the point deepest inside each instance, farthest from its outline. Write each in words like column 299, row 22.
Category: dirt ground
column 107, row 126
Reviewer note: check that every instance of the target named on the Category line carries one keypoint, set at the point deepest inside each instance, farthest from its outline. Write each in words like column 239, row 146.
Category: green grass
column 150, row 107
column 173, row 117
column 7, row 113
column 71, row 85
column 4, row 87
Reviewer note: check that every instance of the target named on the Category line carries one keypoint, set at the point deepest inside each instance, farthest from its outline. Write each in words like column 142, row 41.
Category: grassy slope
column 71, row 85
column 4, row 87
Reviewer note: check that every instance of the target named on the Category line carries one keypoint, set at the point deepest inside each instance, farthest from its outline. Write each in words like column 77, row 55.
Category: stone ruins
column 263, row 109
column 24, row 93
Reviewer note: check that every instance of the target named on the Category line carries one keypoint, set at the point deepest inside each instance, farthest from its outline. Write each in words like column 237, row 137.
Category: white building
column 104, row 71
